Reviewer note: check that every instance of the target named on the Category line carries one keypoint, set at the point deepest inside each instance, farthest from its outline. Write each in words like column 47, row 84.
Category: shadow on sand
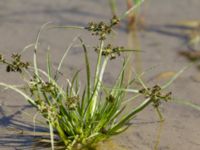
column 20, row 134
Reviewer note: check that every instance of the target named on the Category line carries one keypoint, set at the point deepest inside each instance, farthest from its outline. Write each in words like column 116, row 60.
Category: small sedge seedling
column 82, row 119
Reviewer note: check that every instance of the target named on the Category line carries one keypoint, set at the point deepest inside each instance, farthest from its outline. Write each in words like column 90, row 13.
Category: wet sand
column 20, row 21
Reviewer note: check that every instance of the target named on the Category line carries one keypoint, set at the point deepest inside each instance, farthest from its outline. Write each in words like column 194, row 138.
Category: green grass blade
column 51, row 136
column 35, row 56
column 127, row 118
column 82, row 103
column 120, row 79
column 109, row 116
column 36, row 48
column 98, row 65
column 140, row 80
column 120, row 130
column 20, row 92
column 174, row 77
column 74, row 79
column 135, row 6
column 48, row 66
column 98, row 87
column 64, row 56
column 187, row 103
column 130, row 99
column 27, row 47
column 126, row 90
column 88, row 72
column 66, row 27
column 113, row 7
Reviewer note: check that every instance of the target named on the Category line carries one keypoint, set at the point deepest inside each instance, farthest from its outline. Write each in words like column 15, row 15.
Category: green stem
column 51, row 136
column 113, row 7
column 131, row 9
column 98, row 63
column 159, row 114
column 138, row 109
column 158, row 136
column 61, row 133
column 67, row 27
column 29, row 99
column 36, row 48
column 98, row 85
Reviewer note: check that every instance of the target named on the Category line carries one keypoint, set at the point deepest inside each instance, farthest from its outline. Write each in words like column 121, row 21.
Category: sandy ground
column 19, row 23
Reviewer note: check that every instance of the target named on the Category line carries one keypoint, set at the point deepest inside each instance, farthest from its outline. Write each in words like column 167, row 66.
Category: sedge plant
column 84, row 117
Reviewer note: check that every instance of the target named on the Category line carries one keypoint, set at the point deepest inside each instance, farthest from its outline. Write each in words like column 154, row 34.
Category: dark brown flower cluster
column 49, row 112
column 110, row 98
column 15, row 65
column 155, row 95
column 42, row 106
column 46, row 87
column 72, row 102
column 111, row 51
column 102, row 29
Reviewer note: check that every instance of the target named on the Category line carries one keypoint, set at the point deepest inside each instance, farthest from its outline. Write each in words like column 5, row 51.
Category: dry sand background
column 20, row 21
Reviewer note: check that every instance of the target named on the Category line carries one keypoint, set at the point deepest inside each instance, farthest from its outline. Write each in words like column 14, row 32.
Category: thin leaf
column 87, row 63
column 174, row 77
column 120, row 79
column 82, row 104
column 113, row 7
column 126, row 90
column 36, row 48
column 184, row 102
column 74, row 79
column 27, row 47
column 48, row 65
column 127, row 118
column 130, row 99
column 64, row 56
column 66, row 27
column 20, row 92
column 141, row 81
column 51, row 136
column 35, row 57
column 137, row 1
column 132, row 9
column 120, row 130
column 131, row 50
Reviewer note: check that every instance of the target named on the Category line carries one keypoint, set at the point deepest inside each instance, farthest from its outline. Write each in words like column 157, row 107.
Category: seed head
column 72, row 102
column 110, row 51
column 114, row 21
column 155, row 95
column 110, row 98
column 102, row 29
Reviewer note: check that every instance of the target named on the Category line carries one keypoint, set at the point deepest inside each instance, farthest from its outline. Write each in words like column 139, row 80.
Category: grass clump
column 82, row 118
